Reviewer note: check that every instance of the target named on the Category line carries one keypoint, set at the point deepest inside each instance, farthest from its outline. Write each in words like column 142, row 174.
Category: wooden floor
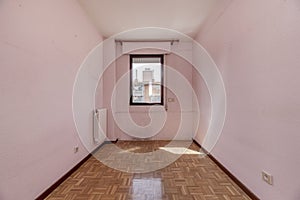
column 192, row 176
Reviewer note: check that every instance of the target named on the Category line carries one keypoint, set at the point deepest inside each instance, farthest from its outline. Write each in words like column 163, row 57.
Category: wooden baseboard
column 221, row 166
column 71, row 171
column 62, row 179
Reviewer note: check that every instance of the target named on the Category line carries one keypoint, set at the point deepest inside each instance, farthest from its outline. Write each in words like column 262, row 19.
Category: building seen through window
column 146, row 79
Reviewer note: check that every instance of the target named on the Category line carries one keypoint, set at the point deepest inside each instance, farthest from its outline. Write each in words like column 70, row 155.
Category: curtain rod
column 171, row 41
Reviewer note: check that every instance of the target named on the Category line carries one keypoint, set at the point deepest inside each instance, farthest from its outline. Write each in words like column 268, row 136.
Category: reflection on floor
column 152, row 187
column 192, row 176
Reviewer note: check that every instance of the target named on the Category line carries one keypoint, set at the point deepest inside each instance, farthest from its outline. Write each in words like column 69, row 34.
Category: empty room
column 149, row 100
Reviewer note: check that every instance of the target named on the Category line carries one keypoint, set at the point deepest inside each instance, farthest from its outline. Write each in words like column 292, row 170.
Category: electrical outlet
column 76, row 149
column 268, row 178
column 171, row 99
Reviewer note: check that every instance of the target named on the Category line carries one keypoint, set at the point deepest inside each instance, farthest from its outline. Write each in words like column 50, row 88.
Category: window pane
column 146, row 80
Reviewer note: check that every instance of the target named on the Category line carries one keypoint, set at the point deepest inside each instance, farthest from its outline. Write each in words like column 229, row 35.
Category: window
column 146, row 79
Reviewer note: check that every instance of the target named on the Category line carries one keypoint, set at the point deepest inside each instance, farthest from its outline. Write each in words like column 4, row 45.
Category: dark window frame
column 161, row 56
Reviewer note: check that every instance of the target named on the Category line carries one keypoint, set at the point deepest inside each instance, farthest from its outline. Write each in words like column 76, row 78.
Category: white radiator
column 100, row 125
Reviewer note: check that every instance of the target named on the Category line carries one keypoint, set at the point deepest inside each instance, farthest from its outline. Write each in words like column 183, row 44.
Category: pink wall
column 140, row 114
column 42, row 46
column 255, row 44
column 204, row 102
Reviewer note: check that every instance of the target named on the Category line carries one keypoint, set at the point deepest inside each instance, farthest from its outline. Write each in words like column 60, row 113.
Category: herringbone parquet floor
column 193, row 176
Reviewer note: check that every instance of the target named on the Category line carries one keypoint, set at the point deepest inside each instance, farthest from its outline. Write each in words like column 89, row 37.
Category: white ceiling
column 114, row 16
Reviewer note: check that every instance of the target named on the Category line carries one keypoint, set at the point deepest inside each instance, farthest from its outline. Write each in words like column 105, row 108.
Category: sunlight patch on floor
column 181, row 150
column 131, row 150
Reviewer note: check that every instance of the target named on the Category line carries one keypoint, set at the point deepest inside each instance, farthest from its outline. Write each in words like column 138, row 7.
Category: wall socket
column 76, row 149
column 171, row 99
column 268, row 178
